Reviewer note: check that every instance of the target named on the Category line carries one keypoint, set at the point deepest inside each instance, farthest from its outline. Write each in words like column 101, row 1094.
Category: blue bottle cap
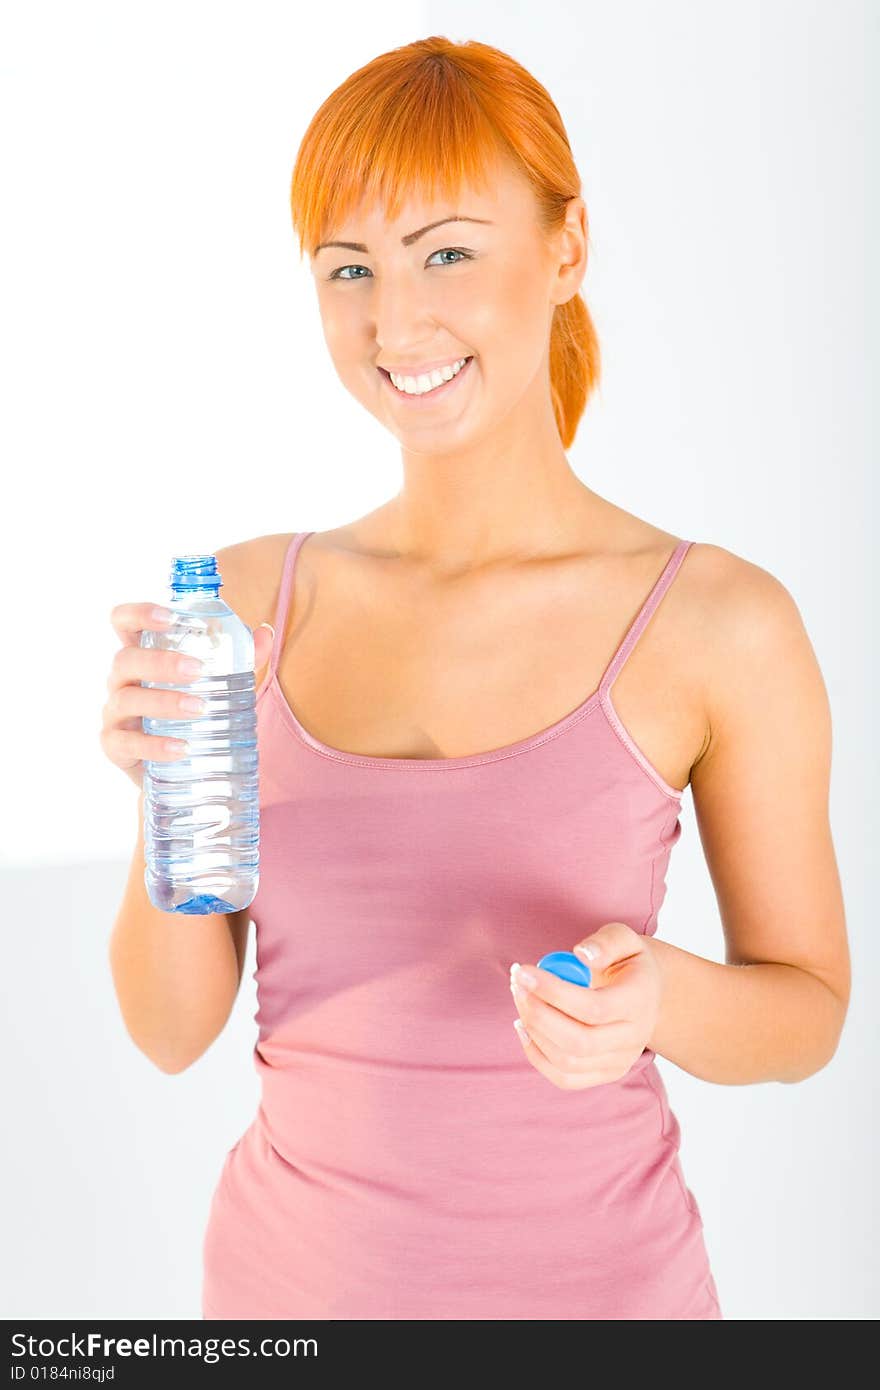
column 567, row 967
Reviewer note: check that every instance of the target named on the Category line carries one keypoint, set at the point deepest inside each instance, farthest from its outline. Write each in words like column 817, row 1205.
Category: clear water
column 201, row 811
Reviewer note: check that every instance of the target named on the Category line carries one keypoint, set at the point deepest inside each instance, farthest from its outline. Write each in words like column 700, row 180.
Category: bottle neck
column 187, row 598
column 194, row 577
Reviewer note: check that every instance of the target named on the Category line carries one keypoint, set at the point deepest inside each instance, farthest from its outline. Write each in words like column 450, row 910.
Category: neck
column 507, row 496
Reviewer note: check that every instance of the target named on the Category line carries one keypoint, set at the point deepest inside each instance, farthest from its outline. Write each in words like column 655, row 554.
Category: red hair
column 427, row 118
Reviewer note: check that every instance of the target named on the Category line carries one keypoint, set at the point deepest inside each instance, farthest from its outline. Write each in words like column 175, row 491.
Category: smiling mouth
column 424, row 397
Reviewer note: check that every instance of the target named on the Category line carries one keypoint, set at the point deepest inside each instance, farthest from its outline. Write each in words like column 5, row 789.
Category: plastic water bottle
column 201, row 811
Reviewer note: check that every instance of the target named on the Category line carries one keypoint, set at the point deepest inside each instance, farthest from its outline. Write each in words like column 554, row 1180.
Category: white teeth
column 417, row 386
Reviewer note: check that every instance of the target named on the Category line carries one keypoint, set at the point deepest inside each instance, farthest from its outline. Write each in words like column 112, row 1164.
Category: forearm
column 737, row 1024
column 175, row 977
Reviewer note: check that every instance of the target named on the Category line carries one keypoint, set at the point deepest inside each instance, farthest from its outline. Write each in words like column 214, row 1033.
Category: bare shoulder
column 756, row 655
column 251, row 574
column 736, row 599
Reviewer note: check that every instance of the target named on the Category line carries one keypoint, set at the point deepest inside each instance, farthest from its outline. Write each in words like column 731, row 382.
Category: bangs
column 380, row 143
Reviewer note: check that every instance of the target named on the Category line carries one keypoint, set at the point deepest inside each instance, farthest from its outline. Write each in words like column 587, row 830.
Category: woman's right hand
column 122, row 735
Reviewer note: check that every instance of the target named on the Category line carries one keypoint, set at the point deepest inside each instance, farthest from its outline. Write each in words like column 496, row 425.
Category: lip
column 439, row 392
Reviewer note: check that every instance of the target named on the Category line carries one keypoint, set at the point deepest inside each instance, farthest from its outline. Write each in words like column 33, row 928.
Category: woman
column 478, row 716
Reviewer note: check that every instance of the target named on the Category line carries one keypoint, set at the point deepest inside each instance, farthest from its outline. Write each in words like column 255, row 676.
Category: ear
column 573, row 239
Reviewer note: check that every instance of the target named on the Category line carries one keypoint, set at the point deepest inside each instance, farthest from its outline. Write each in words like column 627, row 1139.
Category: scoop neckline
column 507, row 750
column 600, row 698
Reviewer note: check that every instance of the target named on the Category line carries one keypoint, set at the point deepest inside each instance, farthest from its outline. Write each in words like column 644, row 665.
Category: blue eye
column 446, row 251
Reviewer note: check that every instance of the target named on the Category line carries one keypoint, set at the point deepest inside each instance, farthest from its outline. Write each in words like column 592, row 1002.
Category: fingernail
column 192, row 702
column 525, row 979
column 588, row 952
column 521, row 1030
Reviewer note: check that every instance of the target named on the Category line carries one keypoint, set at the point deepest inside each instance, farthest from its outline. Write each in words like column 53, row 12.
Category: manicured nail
column 521, row 1030
column 588, row 952
column 525, row 979
column 193, row 703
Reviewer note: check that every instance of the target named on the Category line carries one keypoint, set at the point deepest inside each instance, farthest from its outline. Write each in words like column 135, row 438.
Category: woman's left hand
column 580, row 1036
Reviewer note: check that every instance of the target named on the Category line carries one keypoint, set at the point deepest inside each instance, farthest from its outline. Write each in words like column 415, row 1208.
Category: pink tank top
column 406, row 1160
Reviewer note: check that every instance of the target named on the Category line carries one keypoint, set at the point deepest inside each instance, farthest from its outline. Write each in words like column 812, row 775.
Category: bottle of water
column 201, row 811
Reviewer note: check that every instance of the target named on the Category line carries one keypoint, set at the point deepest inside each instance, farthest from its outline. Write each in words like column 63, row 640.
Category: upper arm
column 761, row 786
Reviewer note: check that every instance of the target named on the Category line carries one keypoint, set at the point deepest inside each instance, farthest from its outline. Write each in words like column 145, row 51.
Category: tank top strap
column 643, row 617
column 280, row 620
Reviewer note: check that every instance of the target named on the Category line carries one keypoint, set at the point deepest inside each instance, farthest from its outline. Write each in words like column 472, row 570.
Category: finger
column 588, row 1005
column 127, row 747
column 614, row 942
column 129, row 620
column 567, row 1043
column 157, row 664
column 566, row 1080
column 129, row 705
column 595, row 1051
column 621, row 1001
column 564, row 1033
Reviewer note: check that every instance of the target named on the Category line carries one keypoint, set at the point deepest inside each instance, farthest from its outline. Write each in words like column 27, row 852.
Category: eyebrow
column 404, row 240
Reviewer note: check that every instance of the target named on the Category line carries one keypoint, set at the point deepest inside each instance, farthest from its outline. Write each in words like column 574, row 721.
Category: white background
column 168, row 390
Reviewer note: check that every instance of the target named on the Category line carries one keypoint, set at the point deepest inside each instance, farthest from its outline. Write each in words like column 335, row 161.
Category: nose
column 403, row 323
